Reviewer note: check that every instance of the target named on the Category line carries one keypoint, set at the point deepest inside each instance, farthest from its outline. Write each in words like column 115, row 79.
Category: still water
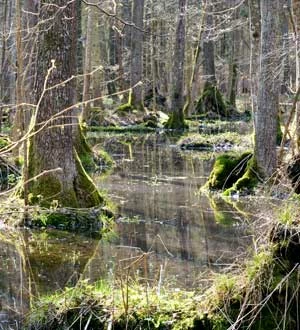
column 166, row 231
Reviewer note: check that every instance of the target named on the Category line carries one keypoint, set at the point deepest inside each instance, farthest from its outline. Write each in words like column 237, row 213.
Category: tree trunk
column 3, row 61
column 19, row 124
column 192, row 87
column 112, row 61
column 266, row 117
column 255, row 30
column 176, row 120
column 296, row 24
column 137, row 36
column 211, row 101
column 285, row 85
column 55, row 170
column 87, row 92
column 234, row 63
column 209, row 70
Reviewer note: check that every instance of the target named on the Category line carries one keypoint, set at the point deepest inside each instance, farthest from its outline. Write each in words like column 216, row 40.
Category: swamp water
column 166, row 232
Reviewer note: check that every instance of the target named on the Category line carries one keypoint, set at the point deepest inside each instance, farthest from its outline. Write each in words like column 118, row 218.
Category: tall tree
column 211, row 100
column 295, row 18
column 255, row 31
column 3, row 68
column 266, row 117
column 136, row 69
column 176, row 120
column 55, row 170
column 87, row 68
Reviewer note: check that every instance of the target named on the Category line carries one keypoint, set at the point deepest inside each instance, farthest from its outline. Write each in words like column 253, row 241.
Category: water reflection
column 157, row 185
column 166, row 232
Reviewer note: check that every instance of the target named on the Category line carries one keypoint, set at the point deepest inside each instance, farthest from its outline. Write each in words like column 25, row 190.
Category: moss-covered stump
column 92, row 221
column 176, row 122
column 247, row 182
column 228, row 168
column 211, row 102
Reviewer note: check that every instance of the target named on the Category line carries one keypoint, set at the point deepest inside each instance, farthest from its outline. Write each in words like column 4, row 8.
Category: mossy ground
column 214, row 142
column 94, row 221
column 123, row 129
column 101, row 305
column 262, row 294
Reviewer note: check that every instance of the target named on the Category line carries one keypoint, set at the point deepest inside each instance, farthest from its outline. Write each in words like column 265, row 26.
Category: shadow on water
column 166, row 232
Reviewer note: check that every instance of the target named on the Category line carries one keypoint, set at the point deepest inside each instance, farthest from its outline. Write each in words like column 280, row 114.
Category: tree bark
column 136, row 69
column 296, row 26
column 255, row 31
column 266, row 117
column 87, row 92
column 176, row 120
column 55, row 170
column 209, row 70
column 3, row 61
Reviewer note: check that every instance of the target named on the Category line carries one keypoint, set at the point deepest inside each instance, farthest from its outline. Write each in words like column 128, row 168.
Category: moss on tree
column 46, row 187
column 211, row 101
column 84, row 152
column 176, row 121
column 228, row 168
column 87, row 193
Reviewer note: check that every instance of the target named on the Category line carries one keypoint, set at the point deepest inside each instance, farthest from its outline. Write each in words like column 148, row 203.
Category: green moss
column 4, row 142
column 47, row 188
column 93, row 221
column 176, row 121
column 85, row 152
column 279, row 133
column 228, row 168
column 86, row 191
column 261, row 295
column 127, row 107
column 170, row 310
column 211, row 101
column 124, row 129
column 248, row 181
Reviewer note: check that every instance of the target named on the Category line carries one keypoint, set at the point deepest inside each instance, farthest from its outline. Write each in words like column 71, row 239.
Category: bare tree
column 176, row 120
column 266, row 117
column 55, row 170
column 136, row 68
